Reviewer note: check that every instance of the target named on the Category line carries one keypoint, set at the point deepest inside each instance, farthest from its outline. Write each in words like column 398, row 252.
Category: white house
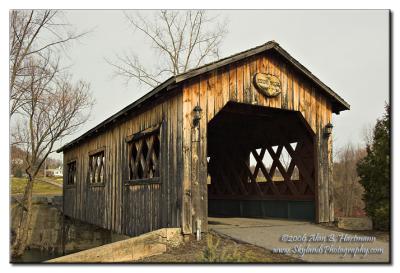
column 55, row 172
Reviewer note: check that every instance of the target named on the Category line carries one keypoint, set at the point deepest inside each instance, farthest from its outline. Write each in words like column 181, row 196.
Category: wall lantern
column 328, row 129
column 197, row 115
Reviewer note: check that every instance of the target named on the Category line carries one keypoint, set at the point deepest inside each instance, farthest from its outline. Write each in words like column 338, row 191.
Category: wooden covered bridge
column 248, row 135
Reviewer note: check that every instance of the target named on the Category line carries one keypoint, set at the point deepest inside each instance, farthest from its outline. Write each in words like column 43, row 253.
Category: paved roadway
column 46, row 180
column 267, row 233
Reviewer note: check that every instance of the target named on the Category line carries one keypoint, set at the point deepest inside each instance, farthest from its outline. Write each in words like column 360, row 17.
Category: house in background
column 55, row 172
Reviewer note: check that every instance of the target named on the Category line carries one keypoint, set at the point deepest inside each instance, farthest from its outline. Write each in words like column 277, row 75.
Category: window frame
column 130, row 140
column 69, row 162
column 92, row 154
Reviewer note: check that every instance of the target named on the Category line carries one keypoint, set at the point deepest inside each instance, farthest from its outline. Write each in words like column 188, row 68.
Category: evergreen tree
column 374, row 172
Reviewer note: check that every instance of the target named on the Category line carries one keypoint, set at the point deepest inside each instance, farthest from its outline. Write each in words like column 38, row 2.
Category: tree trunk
column 21, row 232
column 346, row 193
column 351, row 197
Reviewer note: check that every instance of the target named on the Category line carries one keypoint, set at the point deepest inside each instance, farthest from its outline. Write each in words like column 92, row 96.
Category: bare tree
column 183, row 39
column 347, row 189
column 45, row 105
column 53, row 108
column 368, row 134
column 39, row 33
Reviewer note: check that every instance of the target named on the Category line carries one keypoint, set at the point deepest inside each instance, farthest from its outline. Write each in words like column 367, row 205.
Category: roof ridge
column 271, row 42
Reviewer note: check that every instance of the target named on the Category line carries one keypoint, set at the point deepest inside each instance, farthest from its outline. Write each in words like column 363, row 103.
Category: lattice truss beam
column 144, row 157
column 96, row 168
column 283, row 171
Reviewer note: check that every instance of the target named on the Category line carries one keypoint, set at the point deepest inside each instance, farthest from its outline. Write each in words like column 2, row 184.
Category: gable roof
column 339, row 104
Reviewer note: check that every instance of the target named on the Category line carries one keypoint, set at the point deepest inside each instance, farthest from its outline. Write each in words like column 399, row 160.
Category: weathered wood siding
column 133, row 209
column 234, row 83
column 180, row 199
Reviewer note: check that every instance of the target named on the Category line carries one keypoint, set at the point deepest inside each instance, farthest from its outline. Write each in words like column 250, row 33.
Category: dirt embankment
column 213, row 248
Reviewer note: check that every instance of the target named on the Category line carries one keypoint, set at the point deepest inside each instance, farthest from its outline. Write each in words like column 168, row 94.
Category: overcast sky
column 347, row 50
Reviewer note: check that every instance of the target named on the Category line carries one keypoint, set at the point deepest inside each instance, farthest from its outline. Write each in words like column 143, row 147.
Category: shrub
column 212, row 254
column 18, row 173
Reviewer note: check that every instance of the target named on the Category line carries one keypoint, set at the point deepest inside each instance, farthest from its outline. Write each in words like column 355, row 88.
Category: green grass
column 59, row 180
column 18, row 187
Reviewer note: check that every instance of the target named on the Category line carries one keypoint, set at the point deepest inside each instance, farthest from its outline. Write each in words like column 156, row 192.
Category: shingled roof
column 339, row 104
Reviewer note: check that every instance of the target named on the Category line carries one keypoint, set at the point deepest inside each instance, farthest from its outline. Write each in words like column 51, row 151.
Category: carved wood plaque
column 267, row 84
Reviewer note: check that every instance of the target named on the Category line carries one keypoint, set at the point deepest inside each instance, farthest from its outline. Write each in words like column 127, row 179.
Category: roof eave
column 344, row 105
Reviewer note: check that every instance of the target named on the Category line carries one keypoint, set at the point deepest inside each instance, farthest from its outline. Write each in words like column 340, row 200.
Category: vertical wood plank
column 261, row 68
column 180, row 169
column 290, row 100
column 225, row 87
column 247, row 97
column 274, row 70
column 232, row 83
column 165, row 168
column 173, row 113
column 284, row 85
column 253, row 90
column 186, row 139
column 203, row 151
column 312, row 109
column 307, row 91
column 302, row 101
column 211, row 91
column 296, row 94
column 218, row 92
column 239, row 78
column 330, row 169
column 269, row 70
column 197, row 211
column 318, row 147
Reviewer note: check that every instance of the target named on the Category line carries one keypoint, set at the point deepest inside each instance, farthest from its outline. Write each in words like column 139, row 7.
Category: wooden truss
column 96, row 167
column 232, row 177
column 144, row 154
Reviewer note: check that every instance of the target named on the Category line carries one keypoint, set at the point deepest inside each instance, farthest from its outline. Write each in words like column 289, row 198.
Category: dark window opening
column 96, row 168
column 144, row 155
column 71, row 173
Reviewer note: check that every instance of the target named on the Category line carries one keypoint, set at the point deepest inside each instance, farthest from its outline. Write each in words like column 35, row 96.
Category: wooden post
column 330, row 178
column 196, row 211
column 194, row 159
column 186, row 183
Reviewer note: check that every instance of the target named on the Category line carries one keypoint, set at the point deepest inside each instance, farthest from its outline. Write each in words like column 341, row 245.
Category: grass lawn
column 59, row 180
column 18, row 186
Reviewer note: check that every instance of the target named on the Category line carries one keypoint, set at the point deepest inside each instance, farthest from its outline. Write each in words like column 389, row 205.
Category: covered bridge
column 248, row 135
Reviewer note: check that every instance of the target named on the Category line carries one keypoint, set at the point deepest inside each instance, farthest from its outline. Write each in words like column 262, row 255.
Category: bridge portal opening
column 261, row 163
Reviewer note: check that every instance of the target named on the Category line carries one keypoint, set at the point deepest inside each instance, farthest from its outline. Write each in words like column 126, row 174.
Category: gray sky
column 347, row 50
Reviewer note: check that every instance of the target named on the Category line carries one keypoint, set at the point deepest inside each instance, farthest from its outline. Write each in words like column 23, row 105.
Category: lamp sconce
column 197, row 115
column 328, row 129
